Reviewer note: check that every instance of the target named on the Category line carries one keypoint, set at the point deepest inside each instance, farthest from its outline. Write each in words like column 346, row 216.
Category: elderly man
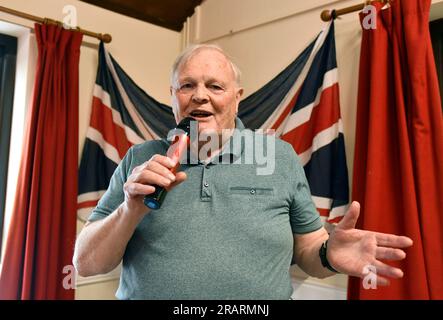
column 223, row 232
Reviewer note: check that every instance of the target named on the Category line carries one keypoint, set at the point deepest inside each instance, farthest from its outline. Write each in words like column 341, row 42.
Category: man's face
column 207, row 91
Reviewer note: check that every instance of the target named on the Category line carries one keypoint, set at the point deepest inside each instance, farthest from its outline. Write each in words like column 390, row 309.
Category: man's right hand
column 141, row 182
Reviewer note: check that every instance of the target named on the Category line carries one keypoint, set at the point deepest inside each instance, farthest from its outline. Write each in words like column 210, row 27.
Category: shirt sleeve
column 114, row 195
column 303, row 215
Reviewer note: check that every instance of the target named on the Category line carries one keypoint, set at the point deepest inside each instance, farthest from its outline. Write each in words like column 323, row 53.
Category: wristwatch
column 323, row 257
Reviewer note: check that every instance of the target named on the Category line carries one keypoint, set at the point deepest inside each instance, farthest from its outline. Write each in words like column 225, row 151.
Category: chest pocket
column 255, row 202
column 252, row 191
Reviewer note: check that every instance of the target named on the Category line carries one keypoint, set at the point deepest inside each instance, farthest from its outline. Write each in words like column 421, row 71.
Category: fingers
column 379, row 273
column 163, row 160
column 382, row 269
column 351, row 217
column 160, row 169
column 133, row 190
column 371, row 278
column 179, row 178
column 151, row 178
column 155, row 172
column 382, row 281
column 391, row 240
column 383, row 253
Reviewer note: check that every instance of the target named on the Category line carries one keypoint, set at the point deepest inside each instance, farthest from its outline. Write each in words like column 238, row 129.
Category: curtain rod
column 104, row 37
column 328, row 15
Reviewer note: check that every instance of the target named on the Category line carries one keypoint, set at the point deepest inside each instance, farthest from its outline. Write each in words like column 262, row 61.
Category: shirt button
column 206, row 184
column 252, row 191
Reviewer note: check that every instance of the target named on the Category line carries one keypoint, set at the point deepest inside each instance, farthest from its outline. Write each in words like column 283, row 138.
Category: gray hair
column 190, row 51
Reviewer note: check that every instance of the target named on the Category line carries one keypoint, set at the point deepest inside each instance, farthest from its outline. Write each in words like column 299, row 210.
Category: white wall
column 145, row 51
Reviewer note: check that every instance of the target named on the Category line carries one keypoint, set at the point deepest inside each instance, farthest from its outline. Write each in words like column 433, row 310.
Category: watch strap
column 324, row 260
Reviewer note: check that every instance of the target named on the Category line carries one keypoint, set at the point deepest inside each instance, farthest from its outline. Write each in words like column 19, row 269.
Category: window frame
column 8, row 61
column 436, row 30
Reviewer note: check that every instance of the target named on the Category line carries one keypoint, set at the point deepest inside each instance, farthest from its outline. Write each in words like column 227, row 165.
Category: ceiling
column 170, row 14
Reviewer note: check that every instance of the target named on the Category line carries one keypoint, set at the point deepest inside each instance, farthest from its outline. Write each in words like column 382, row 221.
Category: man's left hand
column 356, row 252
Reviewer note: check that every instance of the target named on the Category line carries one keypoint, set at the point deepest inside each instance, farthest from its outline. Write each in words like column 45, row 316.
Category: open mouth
column 197, row 114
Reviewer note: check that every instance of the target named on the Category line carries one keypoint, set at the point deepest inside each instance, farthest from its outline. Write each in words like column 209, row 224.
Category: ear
column 174, row 105
column 239, row 94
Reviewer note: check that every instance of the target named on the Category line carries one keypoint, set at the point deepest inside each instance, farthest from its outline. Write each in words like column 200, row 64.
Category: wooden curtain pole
column 104, row 37
column 328, row 15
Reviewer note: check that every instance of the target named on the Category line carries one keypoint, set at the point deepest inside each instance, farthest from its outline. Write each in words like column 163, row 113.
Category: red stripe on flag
column 87, row 204
column 101, row 120
column 335, row 220
column 325, row 213
column 286, row 112
column 323, row 116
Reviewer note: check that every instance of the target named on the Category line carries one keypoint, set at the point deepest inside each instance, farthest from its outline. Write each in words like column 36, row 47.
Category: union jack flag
column 301, row 104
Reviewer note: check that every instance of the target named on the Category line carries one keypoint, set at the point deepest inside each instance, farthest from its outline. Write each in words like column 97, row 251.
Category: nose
column 200, row 95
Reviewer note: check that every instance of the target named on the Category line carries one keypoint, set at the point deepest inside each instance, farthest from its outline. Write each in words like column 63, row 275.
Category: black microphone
column 179, row 145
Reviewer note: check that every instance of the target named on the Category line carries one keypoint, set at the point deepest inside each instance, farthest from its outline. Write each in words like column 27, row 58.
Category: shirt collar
column 231, row 151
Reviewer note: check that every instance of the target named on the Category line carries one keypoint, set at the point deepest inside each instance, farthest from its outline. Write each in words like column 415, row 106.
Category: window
column 8, row 56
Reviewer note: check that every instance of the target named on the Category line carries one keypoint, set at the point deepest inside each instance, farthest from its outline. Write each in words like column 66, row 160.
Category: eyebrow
column 186, row 79
column 210, row 80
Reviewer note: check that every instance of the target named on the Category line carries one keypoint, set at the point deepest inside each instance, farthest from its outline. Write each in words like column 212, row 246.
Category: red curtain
column 43, row 226
column 398, row 164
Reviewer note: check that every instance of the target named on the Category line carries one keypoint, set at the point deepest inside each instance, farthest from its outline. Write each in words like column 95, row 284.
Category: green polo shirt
column 224, row 233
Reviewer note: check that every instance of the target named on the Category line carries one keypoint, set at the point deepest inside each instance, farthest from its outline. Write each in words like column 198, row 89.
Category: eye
column 215, row 87
column 186, row 86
